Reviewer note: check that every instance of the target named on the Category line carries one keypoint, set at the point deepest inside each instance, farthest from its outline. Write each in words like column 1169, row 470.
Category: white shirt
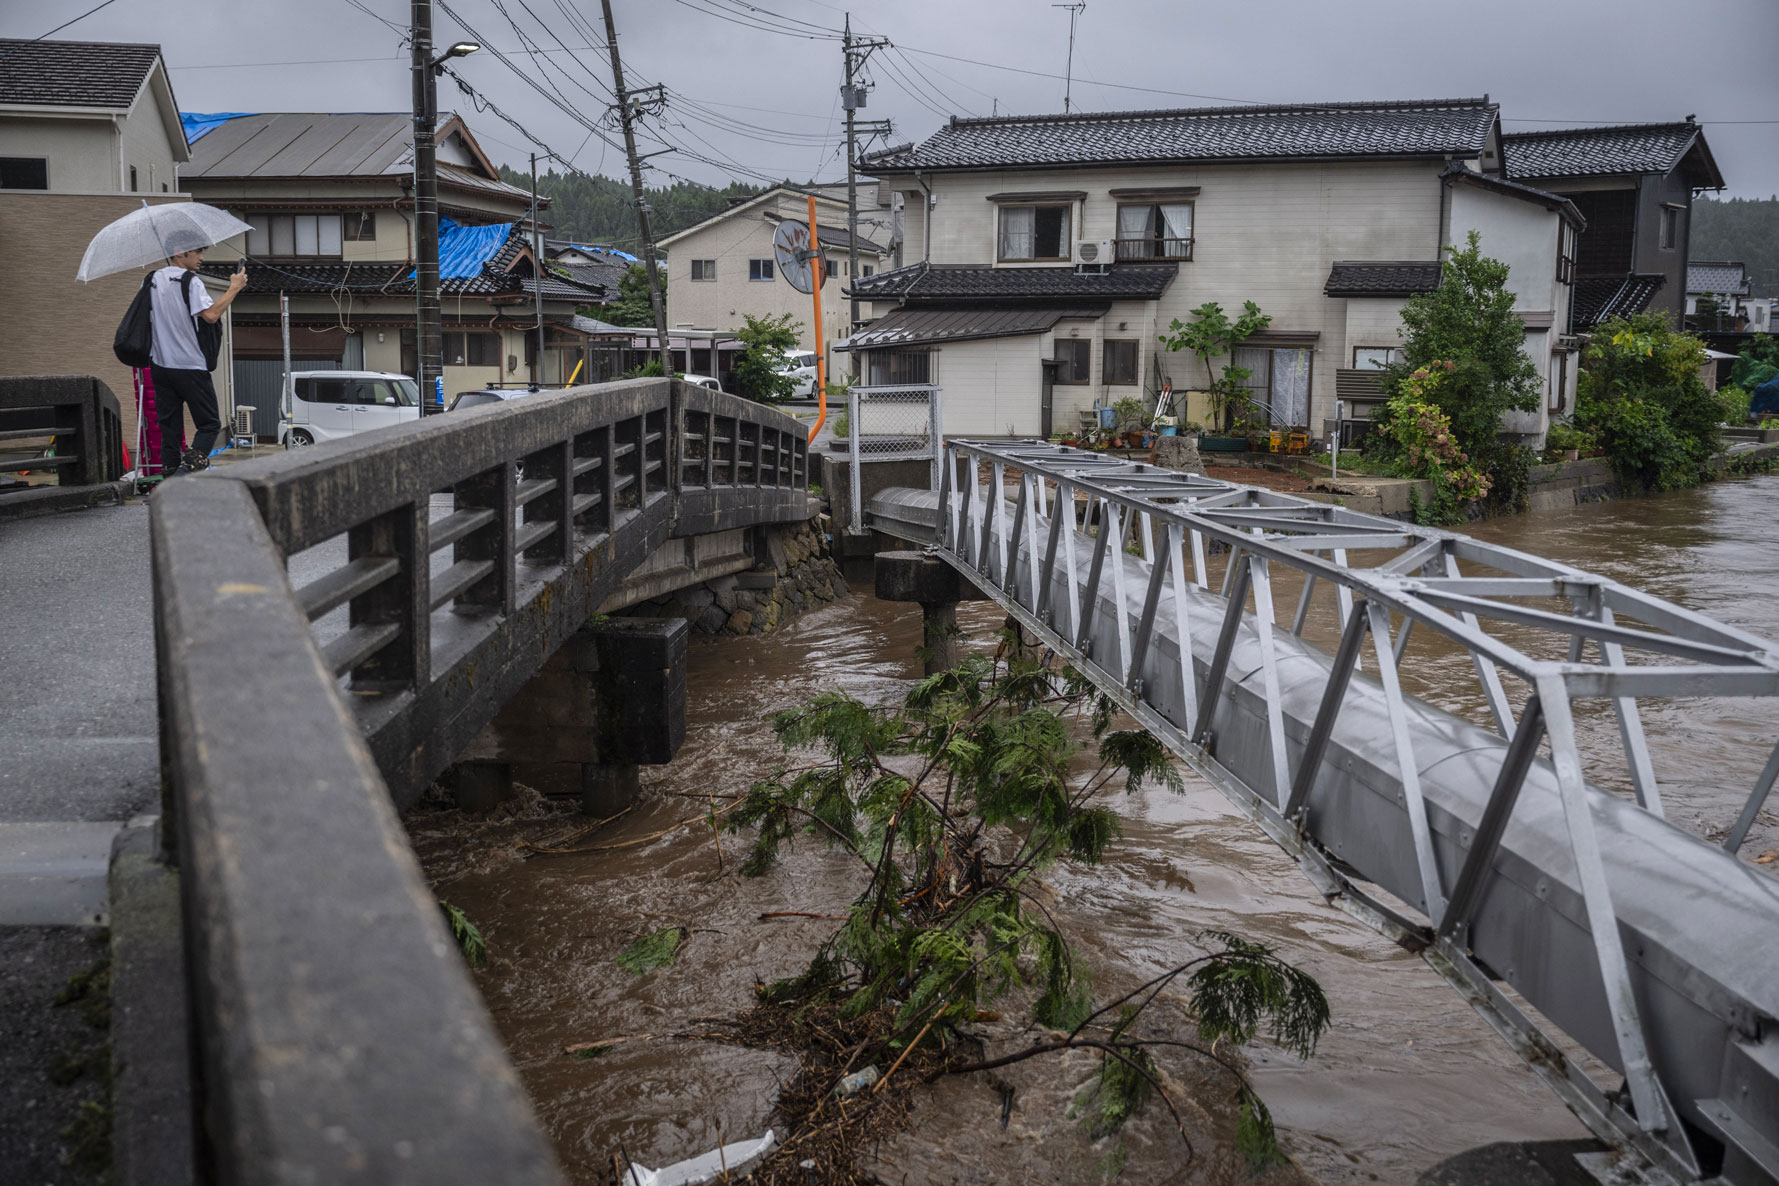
column 175, row 337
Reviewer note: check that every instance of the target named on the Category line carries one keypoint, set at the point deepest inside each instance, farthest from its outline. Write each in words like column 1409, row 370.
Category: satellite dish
column 796, row 262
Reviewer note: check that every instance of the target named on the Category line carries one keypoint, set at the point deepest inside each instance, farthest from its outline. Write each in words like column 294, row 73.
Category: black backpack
column 209, row 332
column 134, row 342
column 135, row 333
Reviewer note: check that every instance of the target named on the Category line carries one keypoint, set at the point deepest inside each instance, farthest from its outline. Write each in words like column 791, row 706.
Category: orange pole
column 821, row 354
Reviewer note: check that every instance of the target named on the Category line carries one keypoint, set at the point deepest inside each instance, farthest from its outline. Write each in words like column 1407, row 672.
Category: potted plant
column 1212, row 333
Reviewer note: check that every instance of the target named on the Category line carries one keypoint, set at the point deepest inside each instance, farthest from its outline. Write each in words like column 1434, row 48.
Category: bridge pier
column 611, row 700
column 937, row 588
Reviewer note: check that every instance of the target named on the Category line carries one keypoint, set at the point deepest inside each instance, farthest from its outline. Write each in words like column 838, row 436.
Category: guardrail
column 340, row 1037
column 79, row 411
column 1645, row 945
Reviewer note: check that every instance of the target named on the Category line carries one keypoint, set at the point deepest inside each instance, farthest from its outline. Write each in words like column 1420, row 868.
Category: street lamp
column 457, row 50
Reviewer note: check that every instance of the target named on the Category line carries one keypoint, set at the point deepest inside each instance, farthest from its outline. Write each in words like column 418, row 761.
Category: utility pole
column 642, row 207
column 1068, row 84
column 429, row 338
column 852, row 97
column 537, row 252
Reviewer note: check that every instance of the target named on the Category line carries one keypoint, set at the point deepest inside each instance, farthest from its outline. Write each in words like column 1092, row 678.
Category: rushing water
column 1409, row 1074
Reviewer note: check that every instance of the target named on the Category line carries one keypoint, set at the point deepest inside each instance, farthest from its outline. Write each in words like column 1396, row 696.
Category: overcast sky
column 768, row 101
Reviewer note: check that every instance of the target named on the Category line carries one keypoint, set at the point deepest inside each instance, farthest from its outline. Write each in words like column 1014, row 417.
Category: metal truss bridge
column 1482, row 844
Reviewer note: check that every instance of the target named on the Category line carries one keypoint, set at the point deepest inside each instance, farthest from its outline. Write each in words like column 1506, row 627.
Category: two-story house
column 1054, row 250
column 1634, row 183
column 1726, row 285
column 88, row 132
column 723, row 270
column 330, row 201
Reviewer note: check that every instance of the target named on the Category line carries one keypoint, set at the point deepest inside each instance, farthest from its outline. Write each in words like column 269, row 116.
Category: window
column 322, row 391
column 1076, row 356
column 472, row 350
column 704, row 269
column 1035, row 232
column 898, row 368
column 759, row 269
column 133, row 183
column 1161, row 230
column 1670, row 226
column 1375, row 358
column 869, row 270
column 358, row 227
column 1565, row 252
column 1120, row 366
column 400, row 392
column 1278, row 384
column 24, row 172
column 1559, row 380
column 294, row 234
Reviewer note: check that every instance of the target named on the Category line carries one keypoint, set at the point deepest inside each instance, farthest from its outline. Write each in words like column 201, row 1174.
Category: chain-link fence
column 900, row 423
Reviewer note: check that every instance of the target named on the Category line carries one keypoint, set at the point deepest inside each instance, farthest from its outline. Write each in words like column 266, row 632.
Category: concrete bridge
column 330, row 629
column 1485, row 848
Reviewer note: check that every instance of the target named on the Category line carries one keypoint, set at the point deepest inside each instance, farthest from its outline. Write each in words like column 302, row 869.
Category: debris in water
column 856, row 1082
column 717, row 1165
column 652, row 951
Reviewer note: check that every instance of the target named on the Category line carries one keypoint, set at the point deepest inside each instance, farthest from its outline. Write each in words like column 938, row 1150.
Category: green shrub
column 1643, row 400
column 1735, row 403
column 759, row 373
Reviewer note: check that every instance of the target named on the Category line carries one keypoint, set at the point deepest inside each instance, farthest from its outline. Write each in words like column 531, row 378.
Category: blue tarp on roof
column 197, row 123
column 635, row 259
column 464, row 249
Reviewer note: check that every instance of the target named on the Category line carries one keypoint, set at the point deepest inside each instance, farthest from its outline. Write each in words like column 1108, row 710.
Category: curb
column 152, row 1137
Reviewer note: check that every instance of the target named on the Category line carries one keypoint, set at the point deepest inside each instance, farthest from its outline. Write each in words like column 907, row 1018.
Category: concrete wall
column 50, row 323
column 82, row 153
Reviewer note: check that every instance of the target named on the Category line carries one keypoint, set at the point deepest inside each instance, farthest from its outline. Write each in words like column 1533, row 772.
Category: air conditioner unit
column 1094, row 252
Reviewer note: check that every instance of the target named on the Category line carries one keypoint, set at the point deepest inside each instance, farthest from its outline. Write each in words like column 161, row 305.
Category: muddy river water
column 1407, row 1076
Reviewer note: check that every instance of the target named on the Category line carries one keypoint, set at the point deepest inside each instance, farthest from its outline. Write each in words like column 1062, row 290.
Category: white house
column 1052, row 251
column 722, row 270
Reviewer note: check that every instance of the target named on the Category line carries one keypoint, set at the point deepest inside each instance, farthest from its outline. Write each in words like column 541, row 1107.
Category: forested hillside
column 598, row 210
column 1745, row 229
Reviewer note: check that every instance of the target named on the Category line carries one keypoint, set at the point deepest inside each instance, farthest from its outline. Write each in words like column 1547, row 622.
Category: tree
column 632, row 306
column 760, row 374
column 1642, row 398
column 1211, row 334
column 1468, row 328
column 953, row 805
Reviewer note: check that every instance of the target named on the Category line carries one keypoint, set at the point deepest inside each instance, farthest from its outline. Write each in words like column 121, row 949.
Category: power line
column 83, row 16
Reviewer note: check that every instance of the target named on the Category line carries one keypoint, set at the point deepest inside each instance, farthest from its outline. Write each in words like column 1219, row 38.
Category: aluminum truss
column 1656, row 952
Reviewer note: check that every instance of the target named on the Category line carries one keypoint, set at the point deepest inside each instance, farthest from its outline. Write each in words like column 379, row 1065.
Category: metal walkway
column 1484, row 847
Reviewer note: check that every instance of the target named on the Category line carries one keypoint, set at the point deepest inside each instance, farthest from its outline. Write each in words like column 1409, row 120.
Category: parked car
column 800, row 365
column 329, row 405
column 703, row 381
column 484, row 396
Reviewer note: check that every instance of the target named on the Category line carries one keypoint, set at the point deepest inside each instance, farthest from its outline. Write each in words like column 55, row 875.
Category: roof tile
column 1729, row 279
column 1381, row 278
column 924, row 282
column 1602, row 298
column 74, row 73
column 1431, row 128
column 1587, row 152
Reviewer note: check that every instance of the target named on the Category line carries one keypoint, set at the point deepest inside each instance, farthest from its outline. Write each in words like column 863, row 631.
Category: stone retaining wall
column 794, row 571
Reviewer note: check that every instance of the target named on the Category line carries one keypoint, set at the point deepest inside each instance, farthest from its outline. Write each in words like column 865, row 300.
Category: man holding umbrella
column 181, row 377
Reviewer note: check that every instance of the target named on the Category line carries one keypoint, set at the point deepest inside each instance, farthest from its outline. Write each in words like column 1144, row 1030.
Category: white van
column 800, row 366
column 328, row 405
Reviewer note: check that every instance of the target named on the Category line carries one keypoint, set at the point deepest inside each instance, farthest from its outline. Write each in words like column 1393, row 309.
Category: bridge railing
column 1328, row 763
column 435, row 566
column 79, row 411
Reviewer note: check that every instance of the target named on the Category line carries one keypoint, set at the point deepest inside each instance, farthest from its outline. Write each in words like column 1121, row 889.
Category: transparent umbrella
column 155, row 233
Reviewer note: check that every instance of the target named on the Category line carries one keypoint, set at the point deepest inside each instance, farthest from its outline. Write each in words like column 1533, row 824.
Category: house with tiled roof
column 1726, row 285
column 1634, row 183
column 89, row 131
column 1047, row 254
column 330, row 199
column 722, row 270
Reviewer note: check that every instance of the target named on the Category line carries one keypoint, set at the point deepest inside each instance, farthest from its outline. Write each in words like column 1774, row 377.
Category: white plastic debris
column 732, row 1158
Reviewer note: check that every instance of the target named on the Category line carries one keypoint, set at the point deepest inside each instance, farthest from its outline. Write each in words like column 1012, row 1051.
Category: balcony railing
column 1149, row 248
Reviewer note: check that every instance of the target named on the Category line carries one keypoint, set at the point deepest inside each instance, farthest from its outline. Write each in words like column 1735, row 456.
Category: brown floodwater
column 1407, row 1076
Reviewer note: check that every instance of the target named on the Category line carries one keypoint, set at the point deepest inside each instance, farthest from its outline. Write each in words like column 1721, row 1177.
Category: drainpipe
column 1444, row 229
column 926, row 237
